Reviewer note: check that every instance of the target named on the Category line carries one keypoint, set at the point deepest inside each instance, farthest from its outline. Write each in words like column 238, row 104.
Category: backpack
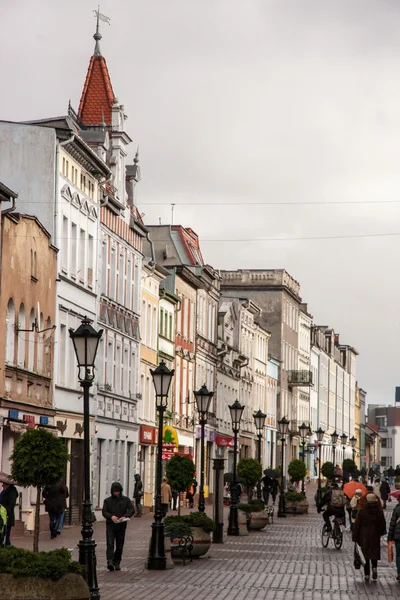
column 338, row 499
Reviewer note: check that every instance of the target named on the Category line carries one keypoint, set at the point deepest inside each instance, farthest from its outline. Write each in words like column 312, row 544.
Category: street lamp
column 343, row 439
column 86, row 342
column 353, row 442
column 303, row 429
column 334, row 438
column 236, row 410
column 320, row 436
column 283, row 430
column 162, row 377
column 259, row 421
column 203, row 399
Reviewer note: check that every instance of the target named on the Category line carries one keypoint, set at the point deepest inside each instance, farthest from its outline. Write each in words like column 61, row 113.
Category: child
column 354, row 507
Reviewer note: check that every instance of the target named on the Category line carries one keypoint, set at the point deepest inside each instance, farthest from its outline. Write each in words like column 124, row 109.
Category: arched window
column 10, row 332
column 21, row 336
column 31, row 342
column 47, row 348
column 40, row 342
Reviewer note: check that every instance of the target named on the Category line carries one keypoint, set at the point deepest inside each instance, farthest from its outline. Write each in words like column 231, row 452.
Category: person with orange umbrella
column 351, row 488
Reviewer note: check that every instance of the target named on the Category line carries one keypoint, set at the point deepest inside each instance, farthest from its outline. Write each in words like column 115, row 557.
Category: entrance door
column 76, row 484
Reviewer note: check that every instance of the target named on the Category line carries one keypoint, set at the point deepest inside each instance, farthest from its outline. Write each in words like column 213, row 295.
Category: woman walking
column 394, row 534
column 369, row 527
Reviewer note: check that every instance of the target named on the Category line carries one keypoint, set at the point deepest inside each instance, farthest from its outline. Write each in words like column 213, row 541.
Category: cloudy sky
column 250, row 102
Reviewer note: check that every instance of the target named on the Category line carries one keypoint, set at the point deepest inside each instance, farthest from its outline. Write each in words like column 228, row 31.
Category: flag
column 102, row 17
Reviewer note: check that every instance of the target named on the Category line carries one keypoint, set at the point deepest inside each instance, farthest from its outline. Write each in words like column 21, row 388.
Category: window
column 21, row 336
column 65, row 167
column 170, row 327
column 62, row 354
column 149, row 326
column 82, row 244
column 33, row 265
column 74, row 233
column 64, row 245
column 387, row 442
column 161, row 321
column 31, row 342
column 381, row 420
column 90, row 261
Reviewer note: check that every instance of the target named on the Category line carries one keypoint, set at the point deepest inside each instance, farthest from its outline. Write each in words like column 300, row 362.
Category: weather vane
column 97, row 35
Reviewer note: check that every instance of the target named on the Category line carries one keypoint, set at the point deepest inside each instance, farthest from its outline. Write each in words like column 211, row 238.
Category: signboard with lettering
column 223, row 440
column 148, row 435
column 170, row 436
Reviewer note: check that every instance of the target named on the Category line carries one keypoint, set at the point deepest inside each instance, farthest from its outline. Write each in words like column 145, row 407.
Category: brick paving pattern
column 286, row 561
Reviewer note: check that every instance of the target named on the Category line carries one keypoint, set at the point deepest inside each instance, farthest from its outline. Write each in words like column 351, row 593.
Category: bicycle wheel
column 325, row 536
column 338, row 537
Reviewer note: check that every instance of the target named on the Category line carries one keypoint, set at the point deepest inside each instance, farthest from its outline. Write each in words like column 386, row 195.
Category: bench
column 182, row 548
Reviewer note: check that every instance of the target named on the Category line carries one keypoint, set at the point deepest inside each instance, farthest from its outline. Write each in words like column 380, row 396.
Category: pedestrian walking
column 55, row 502
column 369, row 527
column 267, row 488
column 274, row 490
column 166, row 496
column 137, row 495
column 363, row 500
column 175, row 498
column 371, row 475
column 354, row 507
column 117, row 510
column 377, row 487
column 384, row 491
column 394, row 534
column 8, row 499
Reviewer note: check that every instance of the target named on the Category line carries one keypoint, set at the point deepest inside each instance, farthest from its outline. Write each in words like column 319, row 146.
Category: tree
column 180, row 473
column 297, row 470
column 327, row 470
column 349, row 466
column 39, row 458
column 250, row 472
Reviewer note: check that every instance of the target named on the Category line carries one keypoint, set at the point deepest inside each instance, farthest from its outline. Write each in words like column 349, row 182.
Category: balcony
column 300, row 378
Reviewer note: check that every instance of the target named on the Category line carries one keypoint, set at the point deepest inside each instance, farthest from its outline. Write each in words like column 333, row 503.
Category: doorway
column 76, row 484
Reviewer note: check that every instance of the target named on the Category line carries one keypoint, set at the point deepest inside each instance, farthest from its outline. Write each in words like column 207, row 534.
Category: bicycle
column 336, row 534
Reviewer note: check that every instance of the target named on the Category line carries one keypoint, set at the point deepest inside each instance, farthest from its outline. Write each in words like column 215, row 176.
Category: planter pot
column 291, row 507
column 69, row 587
column 259, row 520
column 201, row 541
column 302, row 507
column 167, row 549
column 242, row 522
column 397, row 485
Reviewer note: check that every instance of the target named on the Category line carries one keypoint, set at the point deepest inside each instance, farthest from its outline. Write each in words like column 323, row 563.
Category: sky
column 257, row 103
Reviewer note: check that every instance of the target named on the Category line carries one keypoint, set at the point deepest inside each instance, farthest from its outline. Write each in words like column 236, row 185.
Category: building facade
column 28, row 306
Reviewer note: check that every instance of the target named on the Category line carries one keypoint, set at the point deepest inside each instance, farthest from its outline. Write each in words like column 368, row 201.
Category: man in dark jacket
column 394, row 534
column 116, row 509
column 8, row 499
column 137, row 494
column 55, row 502
column 384, row 491
column 335, row 500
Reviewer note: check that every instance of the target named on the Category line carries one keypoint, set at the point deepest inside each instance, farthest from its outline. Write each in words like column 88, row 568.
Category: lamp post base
column 282, row 506
column 87, row 558
column 157, row 560
column 233, row 526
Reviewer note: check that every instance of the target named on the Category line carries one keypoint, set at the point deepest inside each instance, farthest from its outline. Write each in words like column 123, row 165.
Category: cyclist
column 336, row 500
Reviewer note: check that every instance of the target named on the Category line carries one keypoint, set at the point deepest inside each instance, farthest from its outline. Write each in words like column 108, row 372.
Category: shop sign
column 147, row 434
column 208, row 434
column 170, row 436
column 222, row 440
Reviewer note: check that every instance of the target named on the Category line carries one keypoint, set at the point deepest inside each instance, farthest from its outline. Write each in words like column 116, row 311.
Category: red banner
column 148, row 435
column 222, row 440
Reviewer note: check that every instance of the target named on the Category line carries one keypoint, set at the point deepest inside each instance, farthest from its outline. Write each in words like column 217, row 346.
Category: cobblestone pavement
column 284, row 562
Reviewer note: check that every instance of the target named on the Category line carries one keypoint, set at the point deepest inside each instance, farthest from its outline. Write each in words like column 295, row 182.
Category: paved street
column 284, row 562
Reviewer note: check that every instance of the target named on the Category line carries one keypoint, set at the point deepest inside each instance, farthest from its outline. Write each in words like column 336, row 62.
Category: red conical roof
column 98, row 95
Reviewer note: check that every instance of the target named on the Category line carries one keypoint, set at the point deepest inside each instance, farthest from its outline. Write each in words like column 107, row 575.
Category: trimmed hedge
column 47, row 565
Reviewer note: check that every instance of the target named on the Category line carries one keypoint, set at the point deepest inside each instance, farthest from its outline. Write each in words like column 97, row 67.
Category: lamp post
column 259, row 421
column 283, row 430
column 86, row 342
column 353, row 442
column 236, row 410
column 320, row 436
column 303, row 430
column 162, row 377
column 203, row 399
column 343, row 439
column 334, row 438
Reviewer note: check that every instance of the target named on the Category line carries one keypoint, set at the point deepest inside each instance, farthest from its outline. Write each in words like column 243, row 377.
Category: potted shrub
column 201, row 526
column 292, row 501
column 297, row 471
column 397, row 482
column 349, row 468
column 39, row 458
column 27, row 575
column 249, row 471
column 256, row 511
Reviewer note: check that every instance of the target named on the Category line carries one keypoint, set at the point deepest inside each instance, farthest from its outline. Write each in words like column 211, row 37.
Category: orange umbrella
column 351, row 487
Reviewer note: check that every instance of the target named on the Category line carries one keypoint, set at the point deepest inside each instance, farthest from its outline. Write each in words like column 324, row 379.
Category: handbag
column 357, row 560
column 390, row 551
column 360, row 554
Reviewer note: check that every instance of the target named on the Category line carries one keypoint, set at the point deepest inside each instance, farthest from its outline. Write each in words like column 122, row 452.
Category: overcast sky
column 249, row 101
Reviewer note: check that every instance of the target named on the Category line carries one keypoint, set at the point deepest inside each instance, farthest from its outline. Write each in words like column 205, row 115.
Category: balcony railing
column 300, row 378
